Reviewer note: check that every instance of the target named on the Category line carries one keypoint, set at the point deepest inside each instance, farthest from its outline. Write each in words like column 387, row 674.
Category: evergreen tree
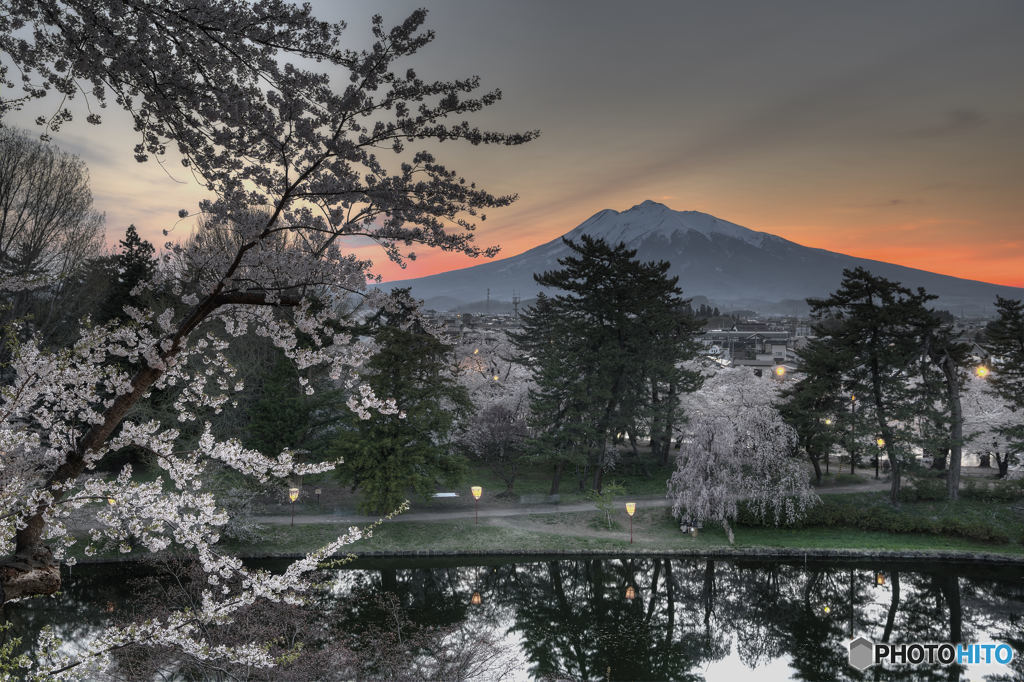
column 875, row 328
column 1005, row 342
column 133, row 264
column 814, row 404
column 388, row 455
column 617, row 329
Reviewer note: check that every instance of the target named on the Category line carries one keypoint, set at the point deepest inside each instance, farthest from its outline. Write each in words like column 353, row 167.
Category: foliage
column 604, row 500
column 603, row 349
column 1005, row 341
column 973, row 519
column 875, row 329
column 295, row 166
column 386, row 455
column 733, row 456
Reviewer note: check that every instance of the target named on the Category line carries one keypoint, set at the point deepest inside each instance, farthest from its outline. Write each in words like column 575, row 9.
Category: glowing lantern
column 981, row 371
column 780, row 371
column 881, row 442
column 630, row 593
column 110, row 501
column 631, row 508
column 293, row 494
column 880, row 579
column 476, row 599
column 477, row 492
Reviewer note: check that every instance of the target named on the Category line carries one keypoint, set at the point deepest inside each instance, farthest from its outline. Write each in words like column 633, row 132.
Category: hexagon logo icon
column 862, row 653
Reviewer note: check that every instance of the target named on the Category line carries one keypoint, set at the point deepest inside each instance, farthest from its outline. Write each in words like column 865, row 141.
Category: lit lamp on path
column 110, row 501
column 476, row 599
column 780, row 372
column 631, row 593
column 293, row 494
column 477, row 491
column 878, row 457
column 631, row 509
column 879, row 578
column 317, row 491
column 981, row 371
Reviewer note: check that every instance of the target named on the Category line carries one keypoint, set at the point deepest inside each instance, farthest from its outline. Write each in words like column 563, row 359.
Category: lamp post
column 878, row 455
column 982, row 371
column 293, row 494
column 477, row 491
column 317, row 491
column 631, row 509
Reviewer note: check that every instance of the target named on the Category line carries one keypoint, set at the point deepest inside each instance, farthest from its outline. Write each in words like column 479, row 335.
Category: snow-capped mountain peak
column 651, row 218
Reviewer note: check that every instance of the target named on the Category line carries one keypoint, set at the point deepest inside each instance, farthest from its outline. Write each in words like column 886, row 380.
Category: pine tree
column 389, row 455
column 1005, row 343
column 875, row 328
column 616, row 328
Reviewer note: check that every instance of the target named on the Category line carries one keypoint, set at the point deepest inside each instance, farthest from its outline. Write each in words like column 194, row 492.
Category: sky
column 887, row 130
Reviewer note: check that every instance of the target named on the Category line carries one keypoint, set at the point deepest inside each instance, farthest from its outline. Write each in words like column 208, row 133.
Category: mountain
column 734, row 267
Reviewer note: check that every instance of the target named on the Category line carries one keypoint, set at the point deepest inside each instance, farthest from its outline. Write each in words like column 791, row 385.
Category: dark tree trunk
column 894, row 605
column 950, row 587
column 816, row 463
column 556, row 478
column 939, row 462
column 1003, row 463
column 709, row 591
column 985, row 461
column 951, row 374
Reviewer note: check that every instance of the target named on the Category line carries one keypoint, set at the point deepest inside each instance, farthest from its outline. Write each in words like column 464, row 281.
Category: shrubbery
column 872, row 513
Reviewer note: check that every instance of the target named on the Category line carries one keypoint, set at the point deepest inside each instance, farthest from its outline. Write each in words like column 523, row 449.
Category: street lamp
column 780, row 372
column 477, row 491
column 293, row 494
column 878, row 455
column 879, row 578
column 317, row 492
column 495, row 377
column 982, row 371
column 110, row 501
column 476, row 599
column 631, row 509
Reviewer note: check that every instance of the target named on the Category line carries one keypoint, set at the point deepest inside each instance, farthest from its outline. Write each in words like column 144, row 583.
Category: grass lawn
column 654, row 530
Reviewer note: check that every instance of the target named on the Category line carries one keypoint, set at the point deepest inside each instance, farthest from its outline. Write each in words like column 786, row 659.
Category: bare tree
column 48, row 225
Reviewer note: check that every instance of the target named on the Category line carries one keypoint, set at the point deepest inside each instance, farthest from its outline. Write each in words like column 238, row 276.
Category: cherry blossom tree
column 293, row 160
column 736, row 448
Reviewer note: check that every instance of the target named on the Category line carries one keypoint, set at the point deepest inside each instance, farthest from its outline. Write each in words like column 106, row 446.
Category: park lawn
column 654, row 531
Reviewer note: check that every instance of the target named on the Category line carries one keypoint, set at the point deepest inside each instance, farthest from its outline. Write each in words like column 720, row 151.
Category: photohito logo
column 865, row 653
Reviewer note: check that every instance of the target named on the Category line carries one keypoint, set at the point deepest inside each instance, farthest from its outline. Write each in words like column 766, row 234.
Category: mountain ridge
column 729, row 264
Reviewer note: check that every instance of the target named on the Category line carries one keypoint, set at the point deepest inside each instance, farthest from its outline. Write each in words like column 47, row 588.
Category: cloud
column 956, row 122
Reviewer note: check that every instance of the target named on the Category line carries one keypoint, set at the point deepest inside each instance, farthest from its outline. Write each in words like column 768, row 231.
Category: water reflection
column 611, row 619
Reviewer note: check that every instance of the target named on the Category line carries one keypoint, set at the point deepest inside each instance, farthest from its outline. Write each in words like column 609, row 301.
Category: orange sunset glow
column 774, row 117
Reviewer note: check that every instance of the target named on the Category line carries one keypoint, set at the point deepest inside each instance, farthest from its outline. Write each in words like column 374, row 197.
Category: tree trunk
column 28, row 575
column 1003, row 464
column 985, row 461
column 894, row 605
column 939, row 462
column 816, row 463
column 556, row 479
column 950, row 587
column 949, row 370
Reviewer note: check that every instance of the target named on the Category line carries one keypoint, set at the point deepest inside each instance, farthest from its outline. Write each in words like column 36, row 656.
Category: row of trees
column 886, row 369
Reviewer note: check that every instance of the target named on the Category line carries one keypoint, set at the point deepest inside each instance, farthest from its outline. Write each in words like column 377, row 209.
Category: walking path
column 521, row 510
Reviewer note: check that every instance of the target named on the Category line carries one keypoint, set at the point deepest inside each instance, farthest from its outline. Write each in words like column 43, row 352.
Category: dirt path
column 522, row 510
